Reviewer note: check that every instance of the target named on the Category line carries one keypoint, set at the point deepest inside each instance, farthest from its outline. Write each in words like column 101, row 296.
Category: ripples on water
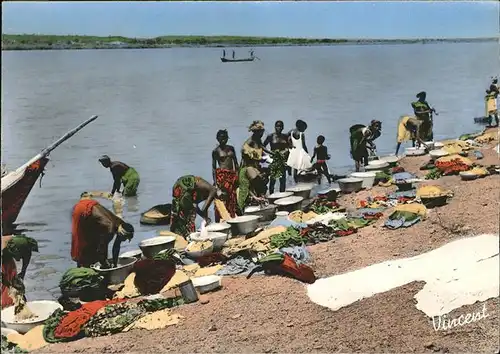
column 160, row 109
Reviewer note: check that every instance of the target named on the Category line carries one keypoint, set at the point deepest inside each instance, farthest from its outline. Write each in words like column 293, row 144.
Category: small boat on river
column 234, row 60
column 225, row 60
column 17, row 184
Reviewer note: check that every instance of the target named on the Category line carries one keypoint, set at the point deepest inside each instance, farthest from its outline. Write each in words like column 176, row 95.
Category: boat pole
column 45, row 152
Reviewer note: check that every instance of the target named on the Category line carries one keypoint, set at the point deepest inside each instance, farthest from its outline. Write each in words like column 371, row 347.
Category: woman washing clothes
column 252, row 187
column 93, row 229
column 280, row 145
column 409, row 129
column 361, row 139
column 187, row 192
column 298, row 159
column 122, row 174
column 424, row 112
column 226, row 175
column 15, row 248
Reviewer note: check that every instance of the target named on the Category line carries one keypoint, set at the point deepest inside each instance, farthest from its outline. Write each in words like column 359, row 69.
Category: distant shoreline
column 48, row 42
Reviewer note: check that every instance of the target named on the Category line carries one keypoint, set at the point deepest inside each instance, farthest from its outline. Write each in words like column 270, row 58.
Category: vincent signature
column 443, row 323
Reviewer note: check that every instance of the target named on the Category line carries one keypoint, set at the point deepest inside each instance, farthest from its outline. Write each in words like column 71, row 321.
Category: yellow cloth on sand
column 455, row 146
column 415, row 208
column 300, row 216
column 129, row 289
column 432, row 191
column 479, row 171
column 155, row 320
column 31, row 340
column 487, row 137
column 259, row 243
column 462, row 159
column 178, row 278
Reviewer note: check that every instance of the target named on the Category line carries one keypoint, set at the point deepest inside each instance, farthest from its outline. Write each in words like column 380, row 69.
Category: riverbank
column 64, row 42
column 274, row 314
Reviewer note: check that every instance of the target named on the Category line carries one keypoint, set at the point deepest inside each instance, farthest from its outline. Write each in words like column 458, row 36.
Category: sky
column 306, row 19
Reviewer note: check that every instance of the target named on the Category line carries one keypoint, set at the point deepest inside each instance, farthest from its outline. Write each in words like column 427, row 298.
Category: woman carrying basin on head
column 226, row 175
column 93, row 229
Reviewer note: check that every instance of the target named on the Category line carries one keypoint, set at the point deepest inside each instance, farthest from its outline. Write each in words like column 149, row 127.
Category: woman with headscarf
column 187, row 193
column 408, row 129
column 15, row 248
column 93, row 229
column 226, row 175
column 361, row 138
column 253, row 148
column 424, row 112
column 122, row 174
column 298, row 158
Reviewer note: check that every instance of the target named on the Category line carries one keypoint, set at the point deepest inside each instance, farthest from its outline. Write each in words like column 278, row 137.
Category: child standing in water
column 321, row 154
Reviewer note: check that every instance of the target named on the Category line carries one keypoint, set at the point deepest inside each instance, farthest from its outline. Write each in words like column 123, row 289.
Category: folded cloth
column 403, row 176
column 300, row 254
column 402, row 219
column 237, row 265
column 403, row 194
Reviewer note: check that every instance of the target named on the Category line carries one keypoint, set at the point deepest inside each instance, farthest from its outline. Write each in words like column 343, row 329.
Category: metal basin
column 275, row 196
column 243, row 225
column 117, row 275
column 289, row 204
column 265, row 213
column 223, row 227
column 152, row 246
column 41, row 309
column 348, row 185
column 301, row 191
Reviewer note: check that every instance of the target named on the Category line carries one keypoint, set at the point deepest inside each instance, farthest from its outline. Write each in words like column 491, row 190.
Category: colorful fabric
column 71, row 325
column 77, row 279
column 183, row 206
column 152, row 275
column 113, row 319
column 277, row 168
column 130, row 182
column 256, row 126
column 227, row 181
column 243, row 188
column 251, row 156
column 50, row 326
column 8, row 273
column 82, row 211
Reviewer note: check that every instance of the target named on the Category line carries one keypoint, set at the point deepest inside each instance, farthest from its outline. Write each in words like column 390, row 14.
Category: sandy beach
column 273, row 314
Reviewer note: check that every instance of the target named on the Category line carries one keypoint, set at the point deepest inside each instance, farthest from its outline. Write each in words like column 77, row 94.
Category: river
column 159, row 110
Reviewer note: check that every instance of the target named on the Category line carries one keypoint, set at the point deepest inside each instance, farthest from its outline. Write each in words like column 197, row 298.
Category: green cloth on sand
column 130, row 182
column 19, row 246
column 349, row 223
column 50, row 326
